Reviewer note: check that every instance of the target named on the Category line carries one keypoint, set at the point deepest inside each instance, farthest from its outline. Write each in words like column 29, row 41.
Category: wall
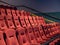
column 41, row 5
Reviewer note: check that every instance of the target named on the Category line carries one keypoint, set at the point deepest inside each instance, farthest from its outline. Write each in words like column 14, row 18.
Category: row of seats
column 19, row 28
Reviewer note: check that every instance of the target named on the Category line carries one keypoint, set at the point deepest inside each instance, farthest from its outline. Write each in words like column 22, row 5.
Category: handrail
column 53, row 38
column 45, row 14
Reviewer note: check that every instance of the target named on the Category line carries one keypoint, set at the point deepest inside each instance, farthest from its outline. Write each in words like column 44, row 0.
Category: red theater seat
column 8, row 12
column 27, row 21
column 9, row 22
column 18, row 13
column 13, row 13
column 22, row 38
column 16, row 21
column 2, row 42
column 31, row 21
column 11, row 37
column 2, row 11
column 22, row 13
column 41, row 20
column 34, row 20
column 23, row 24
column 37, row 36
column 2, row 23
column 31, row 36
